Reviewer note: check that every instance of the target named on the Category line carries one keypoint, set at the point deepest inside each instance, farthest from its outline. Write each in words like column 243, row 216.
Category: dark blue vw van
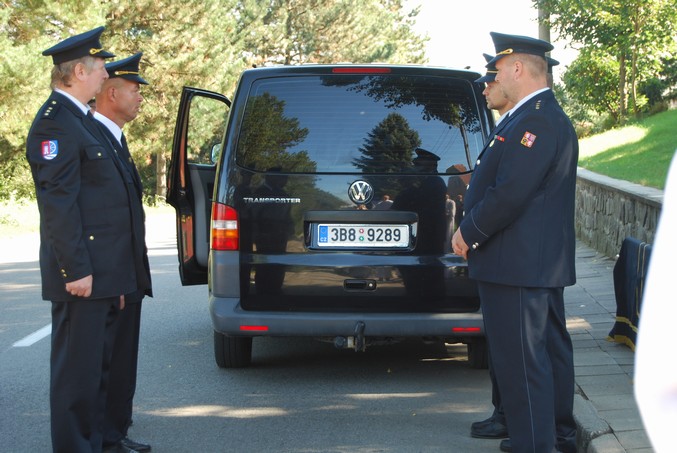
column 321, row 202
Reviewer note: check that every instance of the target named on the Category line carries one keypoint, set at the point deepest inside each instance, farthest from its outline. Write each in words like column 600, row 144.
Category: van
column 321, row 202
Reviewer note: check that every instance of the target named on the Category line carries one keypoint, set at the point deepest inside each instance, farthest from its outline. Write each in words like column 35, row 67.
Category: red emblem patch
column 528, row 139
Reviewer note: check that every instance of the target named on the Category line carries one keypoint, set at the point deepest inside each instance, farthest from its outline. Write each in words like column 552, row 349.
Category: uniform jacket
column 84, row 198
column 519, row 207
column 137, row 206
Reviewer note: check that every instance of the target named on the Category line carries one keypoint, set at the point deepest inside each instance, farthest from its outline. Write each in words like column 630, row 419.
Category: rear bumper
column 230, row 319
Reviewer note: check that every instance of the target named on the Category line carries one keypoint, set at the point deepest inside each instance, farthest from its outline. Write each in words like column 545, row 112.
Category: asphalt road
column 300, row 395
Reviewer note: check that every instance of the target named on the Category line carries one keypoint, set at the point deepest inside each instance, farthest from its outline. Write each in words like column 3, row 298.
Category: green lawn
column 640, row 152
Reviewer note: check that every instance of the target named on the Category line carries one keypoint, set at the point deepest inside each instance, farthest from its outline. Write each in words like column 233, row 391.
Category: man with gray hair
column 87, row 258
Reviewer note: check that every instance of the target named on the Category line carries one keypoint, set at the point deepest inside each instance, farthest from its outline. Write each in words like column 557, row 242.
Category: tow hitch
column 356, row 342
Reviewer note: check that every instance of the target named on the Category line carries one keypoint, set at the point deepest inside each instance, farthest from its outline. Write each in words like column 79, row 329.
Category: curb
column 594, row 435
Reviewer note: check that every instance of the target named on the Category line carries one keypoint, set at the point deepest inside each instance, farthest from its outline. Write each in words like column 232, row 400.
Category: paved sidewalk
column 604, row 405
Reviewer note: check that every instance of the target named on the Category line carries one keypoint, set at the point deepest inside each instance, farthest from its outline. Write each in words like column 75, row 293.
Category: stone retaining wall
column 609, row 210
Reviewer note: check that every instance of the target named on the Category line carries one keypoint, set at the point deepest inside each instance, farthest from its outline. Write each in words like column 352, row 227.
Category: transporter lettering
column 279, row 200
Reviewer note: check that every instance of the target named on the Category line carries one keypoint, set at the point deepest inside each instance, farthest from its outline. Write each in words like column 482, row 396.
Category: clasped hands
column 83, row 288
column 459, row 246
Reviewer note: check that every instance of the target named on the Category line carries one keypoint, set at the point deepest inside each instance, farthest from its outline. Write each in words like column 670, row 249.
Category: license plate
column 370, row 236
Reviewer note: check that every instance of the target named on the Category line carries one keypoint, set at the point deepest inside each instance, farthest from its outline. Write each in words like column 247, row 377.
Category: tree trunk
column 633, row 83
column 633, row 73
column 543, row 24
column 622, row 76
column 161, row 176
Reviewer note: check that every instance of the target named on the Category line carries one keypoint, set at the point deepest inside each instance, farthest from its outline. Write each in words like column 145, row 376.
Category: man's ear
column 518, row 69
column 80, row 71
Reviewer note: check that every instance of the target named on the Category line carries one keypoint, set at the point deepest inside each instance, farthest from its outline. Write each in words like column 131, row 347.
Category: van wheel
column 478, row 356
column 232, row 352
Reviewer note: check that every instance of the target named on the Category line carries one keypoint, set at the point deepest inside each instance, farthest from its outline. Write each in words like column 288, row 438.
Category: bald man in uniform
column 118, row 103
column 518, row 236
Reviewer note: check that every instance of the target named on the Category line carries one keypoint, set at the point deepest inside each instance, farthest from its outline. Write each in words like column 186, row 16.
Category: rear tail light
column 466, row 329
column 225, row 228
column 254, row 328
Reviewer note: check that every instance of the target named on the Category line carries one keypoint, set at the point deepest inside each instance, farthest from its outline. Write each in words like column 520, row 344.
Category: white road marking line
column 34, row 337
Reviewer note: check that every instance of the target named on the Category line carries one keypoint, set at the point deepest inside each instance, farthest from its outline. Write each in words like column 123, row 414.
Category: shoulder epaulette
column 50, row 108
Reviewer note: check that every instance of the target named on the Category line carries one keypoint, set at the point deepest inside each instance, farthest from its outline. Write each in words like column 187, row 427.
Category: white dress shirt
column 110, row 125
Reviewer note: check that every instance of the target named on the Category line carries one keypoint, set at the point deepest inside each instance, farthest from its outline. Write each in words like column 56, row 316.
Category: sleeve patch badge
column 528, row 139
column 50, row 149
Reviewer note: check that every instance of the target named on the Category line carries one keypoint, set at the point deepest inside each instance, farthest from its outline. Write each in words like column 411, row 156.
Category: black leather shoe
column 134, row 445
column 477, row 425
column 491, row 430
column 505, row 445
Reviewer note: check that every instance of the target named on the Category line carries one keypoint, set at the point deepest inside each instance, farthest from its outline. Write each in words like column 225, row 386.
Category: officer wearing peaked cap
column 494, row 427
column 425, row 194
column 87, row 259
column 127, row 68
column 516, row 44
column 490, row 75
column 118, row 103
column 424, row 154
column 84, row 44
column 518, row 236
column 551, row 62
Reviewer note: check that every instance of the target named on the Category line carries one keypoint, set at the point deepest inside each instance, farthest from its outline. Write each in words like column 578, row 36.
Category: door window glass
column 205, row 130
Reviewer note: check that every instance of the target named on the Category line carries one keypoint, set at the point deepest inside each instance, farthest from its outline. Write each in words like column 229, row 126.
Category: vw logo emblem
column 360, row 192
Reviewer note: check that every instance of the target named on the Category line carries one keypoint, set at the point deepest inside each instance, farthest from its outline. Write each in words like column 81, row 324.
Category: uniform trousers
column 122, row 386
column 499, row 414
column 532, row 358
column 83, row 332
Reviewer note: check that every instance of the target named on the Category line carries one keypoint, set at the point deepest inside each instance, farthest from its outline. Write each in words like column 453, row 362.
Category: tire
column 478, row 356
column 232, row 352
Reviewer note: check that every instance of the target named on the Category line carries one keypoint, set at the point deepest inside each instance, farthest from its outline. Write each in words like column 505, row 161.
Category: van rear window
column 359, row 124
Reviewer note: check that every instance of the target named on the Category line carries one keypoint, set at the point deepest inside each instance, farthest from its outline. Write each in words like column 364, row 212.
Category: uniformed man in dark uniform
column 518, row 236
column 495, row 427
column 88, row 258
column 117, row 103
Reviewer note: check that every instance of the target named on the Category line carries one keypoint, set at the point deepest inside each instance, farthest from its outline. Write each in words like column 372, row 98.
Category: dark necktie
column 123, row 142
